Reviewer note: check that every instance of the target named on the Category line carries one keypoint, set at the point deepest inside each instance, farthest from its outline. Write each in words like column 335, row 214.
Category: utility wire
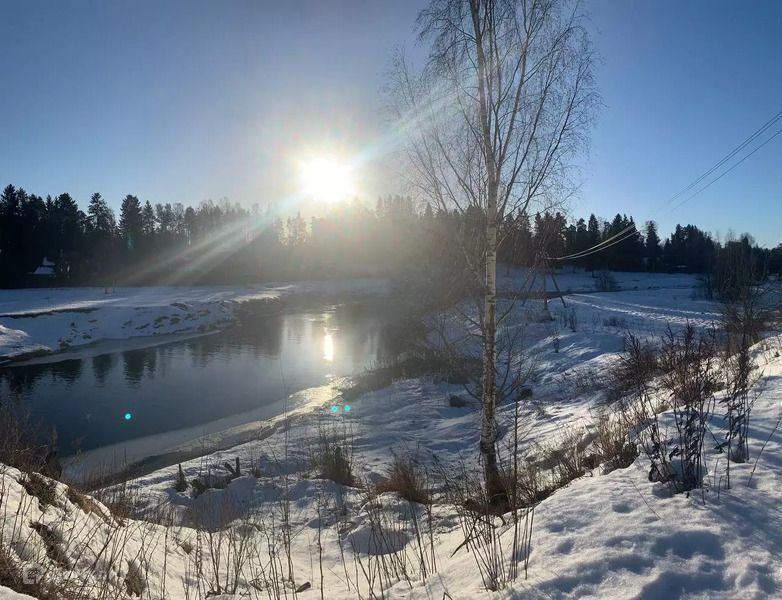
column 589, row 252
column 758, row 132
column 598, row 245
column 752, row 137
column 716, row 179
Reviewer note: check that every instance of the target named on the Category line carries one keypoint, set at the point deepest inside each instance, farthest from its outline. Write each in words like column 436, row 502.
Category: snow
column 46, row 320
column 8, row 594
column 614, row 535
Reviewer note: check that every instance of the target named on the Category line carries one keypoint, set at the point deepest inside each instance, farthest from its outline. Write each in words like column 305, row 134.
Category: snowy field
column 46, row 320
column 604, row 535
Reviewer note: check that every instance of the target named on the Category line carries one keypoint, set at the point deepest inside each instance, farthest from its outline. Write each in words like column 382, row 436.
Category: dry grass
column 407, row 478
column 333, row 457
column 42, row 488
column 613, row 447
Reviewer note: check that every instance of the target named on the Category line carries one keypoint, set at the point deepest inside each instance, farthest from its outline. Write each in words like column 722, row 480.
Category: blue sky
column 183, row 101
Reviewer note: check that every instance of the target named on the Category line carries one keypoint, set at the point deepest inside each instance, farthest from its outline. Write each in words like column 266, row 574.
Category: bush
column 636, row 368
column 606, row 282
column 567, row 459
column 688, row 380
column 532, row 484
column 181, row 482
column 21, row 440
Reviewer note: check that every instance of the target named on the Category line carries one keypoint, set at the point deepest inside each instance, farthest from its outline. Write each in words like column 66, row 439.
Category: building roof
column 45, row 269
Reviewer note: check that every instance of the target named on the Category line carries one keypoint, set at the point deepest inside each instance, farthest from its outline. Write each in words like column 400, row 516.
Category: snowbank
column 46, row 320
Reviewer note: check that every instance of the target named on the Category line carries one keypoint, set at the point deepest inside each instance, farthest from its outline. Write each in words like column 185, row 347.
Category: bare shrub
column 639, row 406
column 688, row 378
column 569, row 319
column 22, row 440
column 616, row 322
column 606, row 282
column 745, row 315
column 181, row 482
column 531, row 484
column 633, row 372
column 567, row 459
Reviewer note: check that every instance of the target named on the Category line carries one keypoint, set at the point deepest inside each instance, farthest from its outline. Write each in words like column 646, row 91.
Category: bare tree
column 490, row 124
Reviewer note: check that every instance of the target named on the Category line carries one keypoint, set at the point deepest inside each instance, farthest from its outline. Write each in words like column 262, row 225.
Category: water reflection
column 101, row 366
column 328, row 347
column 196, row 381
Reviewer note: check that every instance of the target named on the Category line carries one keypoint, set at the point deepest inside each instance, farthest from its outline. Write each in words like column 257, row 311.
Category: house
column 45, row 269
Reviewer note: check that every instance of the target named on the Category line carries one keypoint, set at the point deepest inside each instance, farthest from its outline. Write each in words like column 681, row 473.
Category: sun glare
column 326, row 180
column 328, row 348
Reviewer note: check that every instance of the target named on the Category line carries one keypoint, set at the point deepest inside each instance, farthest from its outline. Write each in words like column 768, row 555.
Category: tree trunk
column 494, row 489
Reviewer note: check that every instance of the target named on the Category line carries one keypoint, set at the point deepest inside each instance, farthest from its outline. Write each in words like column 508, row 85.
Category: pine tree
column 130, row 222
column 148, row 220
column 101, row 222
column 652, row 249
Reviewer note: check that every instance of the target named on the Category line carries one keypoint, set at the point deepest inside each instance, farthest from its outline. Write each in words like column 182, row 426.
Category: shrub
column 606, row 282
column 688, row 378
column 181, row 482
column 530, row 485
column 637, row 366
column 21, row 440
column 567, row 459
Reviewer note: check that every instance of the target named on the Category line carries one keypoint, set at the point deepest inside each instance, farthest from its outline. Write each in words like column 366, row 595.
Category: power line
column 598, row 245
column 716, row 179
column 595, row 250
column 758, row 132
column 752, row 137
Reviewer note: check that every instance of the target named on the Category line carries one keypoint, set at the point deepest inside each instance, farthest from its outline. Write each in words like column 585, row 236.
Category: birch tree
column 491, row 122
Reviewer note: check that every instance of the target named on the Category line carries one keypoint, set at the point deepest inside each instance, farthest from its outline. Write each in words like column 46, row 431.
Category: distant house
column 45, row 269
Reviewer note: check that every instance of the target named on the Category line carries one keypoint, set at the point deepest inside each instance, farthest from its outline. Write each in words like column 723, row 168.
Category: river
column 139, row 401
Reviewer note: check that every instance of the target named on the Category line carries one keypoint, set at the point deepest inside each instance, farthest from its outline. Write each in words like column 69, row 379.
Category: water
column 129, row 394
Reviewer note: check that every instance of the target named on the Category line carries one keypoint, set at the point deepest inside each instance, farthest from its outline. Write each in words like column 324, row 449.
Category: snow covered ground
column 45, row 320
column 614, row 535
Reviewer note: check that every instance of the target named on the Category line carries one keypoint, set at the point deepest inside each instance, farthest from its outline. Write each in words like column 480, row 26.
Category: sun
column 326, row 179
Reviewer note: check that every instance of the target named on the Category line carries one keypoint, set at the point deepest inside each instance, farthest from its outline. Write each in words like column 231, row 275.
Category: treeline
column 621, row 245
column 225, row 243
column 212, row 243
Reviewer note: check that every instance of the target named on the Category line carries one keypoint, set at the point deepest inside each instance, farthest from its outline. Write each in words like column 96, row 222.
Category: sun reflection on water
column 328, row 347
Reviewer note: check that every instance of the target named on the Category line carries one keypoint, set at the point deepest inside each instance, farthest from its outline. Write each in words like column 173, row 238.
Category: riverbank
column 42, row 323
column 268, row 516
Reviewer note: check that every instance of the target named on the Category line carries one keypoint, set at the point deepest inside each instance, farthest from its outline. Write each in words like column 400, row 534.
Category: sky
column 185, row 101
